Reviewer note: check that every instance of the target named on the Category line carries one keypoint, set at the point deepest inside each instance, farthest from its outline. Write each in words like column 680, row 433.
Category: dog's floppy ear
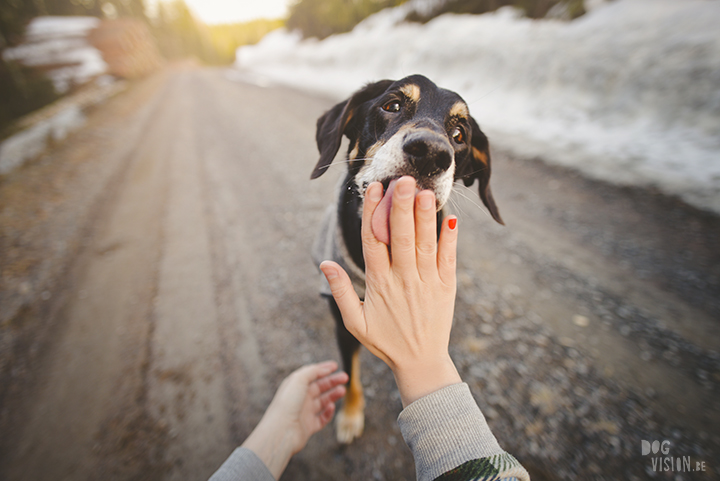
column 334, row 123
column 478, row 167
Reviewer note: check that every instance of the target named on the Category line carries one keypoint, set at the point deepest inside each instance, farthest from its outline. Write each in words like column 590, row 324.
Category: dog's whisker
column 348, row 161
column 471, row 198
column 480, row 98
column 461, row 211
column 458, row 189
column 476, row 171
column 455, row 208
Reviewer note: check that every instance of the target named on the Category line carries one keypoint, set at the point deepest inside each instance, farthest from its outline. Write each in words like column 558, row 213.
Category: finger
column 375, row 252
column 345, row 296
column 311, row 372
column 402, row 226
column 325, row 368
column 321, row 403
column 332, row 396
column 326, row 415
column 447, row 251
column 328, row 382
column 426, row 234
column 326, row 406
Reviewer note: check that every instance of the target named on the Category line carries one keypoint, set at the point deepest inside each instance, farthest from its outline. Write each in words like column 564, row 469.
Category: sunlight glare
column 231, row 11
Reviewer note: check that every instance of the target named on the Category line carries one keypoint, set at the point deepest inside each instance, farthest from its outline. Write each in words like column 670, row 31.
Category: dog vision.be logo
column 662, row 461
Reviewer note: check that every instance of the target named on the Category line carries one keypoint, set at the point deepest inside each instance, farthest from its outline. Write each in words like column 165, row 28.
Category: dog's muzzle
column 429, row 152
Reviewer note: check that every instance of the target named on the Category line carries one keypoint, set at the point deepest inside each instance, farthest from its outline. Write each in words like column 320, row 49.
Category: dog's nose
column 428, row 152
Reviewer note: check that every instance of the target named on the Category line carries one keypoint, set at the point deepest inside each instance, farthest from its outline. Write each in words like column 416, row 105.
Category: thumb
column 342, row 290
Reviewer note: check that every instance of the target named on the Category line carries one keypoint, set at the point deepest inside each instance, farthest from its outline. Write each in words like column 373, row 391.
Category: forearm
column 272, row 445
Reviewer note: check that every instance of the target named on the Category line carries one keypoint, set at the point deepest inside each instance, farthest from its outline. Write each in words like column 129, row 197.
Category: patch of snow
column 32, row 141
column 629, row 93
column 41, row 27
column 60, row 46
column 54, row 123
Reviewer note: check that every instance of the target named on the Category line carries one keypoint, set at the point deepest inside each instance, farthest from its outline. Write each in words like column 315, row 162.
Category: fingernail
column 426, row 202
column 452, row 223
column 375, row 192
column 405, row 189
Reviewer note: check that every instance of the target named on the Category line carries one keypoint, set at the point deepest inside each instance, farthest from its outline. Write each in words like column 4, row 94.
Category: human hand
column 303, row 404
column 407, row 314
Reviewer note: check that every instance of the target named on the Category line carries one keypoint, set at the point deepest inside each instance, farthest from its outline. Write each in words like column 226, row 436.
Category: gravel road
column 156, row 286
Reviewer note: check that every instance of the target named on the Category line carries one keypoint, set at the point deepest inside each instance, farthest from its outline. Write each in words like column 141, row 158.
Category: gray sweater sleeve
column 242, row 465
column 446, row 431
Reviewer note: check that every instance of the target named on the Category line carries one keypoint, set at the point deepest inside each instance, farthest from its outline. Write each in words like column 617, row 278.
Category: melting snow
column 59, row 44
column 629, row 93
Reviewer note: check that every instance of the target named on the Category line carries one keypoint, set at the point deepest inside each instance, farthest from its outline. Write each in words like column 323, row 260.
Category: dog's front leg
column 350, row 420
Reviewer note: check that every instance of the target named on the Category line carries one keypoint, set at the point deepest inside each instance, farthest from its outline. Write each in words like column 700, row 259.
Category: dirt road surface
column 156, row 286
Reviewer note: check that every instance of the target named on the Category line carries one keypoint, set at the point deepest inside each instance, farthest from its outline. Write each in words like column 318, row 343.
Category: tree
column 23, row 89
column 532, row 8
column 180, row 35
column 322, row 18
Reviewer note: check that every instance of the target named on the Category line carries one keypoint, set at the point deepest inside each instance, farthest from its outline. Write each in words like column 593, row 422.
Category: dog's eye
column 392, row 106
column 458, row 135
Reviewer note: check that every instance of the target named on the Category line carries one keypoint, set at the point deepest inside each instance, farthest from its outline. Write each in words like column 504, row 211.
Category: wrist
column 273, row 445
column 418, row 379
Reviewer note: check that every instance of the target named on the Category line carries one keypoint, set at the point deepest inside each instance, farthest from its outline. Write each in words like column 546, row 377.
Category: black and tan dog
column 395, row 128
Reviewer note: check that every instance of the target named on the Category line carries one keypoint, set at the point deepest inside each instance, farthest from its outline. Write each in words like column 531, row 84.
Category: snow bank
column 30, row 143
column 60, row 45
column 629, row 93
column 53, row 123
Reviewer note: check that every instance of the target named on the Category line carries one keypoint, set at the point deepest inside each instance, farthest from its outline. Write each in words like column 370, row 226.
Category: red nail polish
column 452, row 223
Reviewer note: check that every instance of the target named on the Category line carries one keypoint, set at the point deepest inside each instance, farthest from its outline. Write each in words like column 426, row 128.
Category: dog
column 395, row 128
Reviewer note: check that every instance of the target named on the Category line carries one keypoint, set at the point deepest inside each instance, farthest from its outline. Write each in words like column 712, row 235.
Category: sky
column 231, row 11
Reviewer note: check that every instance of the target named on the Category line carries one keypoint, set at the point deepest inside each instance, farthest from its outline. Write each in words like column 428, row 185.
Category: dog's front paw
column 349, row 425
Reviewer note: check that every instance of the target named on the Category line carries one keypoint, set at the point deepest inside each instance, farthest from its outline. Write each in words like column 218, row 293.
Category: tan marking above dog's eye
column 392, row 106
column 411, row 91
column 458, row 135
column 459, row 110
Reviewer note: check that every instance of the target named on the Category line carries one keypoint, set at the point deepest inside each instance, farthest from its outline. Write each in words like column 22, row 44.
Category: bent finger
column 375, row 252
column 326, row 415
column 312, row 372
column 328, row 382
column 332, row 396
